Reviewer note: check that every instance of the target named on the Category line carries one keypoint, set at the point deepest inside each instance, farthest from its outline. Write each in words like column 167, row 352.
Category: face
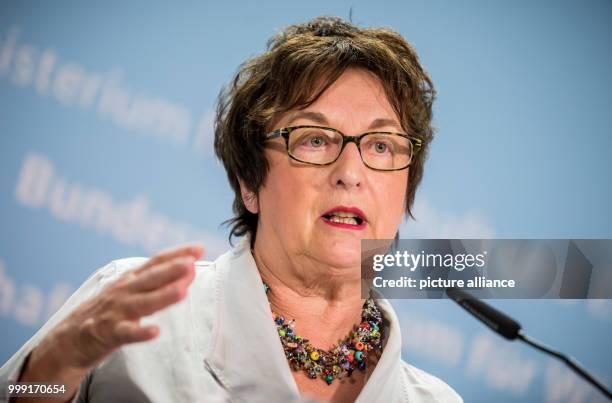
column 297, row 202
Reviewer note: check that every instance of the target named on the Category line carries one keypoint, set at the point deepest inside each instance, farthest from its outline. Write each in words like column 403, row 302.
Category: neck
column 325, row 301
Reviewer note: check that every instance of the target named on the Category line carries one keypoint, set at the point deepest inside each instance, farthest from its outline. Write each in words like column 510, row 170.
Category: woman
column 323, row 138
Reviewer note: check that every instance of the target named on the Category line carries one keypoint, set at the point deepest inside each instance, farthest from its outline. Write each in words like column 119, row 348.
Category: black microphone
column 511, row 330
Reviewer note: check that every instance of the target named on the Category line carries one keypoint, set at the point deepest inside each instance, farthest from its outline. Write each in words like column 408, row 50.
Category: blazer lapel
column 246, row 354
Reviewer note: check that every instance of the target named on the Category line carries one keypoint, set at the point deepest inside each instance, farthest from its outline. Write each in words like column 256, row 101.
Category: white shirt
column 220, row 344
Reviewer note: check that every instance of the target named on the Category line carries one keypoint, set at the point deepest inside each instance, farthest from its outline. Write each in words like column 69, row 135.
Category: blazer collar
column 246, row 355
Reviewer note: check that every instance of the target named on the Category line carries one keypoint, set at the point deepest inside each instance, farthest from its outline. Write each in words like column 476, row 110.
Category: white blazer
column 220, row 344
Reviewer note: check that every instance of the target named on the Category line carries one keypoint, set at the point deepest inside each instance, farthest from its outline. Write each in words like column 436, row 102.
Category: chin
column 345, row 253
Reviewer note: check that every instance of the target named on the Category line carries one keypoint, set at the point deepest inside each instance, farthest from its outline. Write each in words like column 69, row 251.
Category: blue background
column 522, row 151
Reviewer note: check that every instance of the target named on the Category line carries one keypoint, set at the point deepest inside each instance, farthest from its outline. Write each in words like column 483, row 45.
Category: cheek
column 391, row 203
column 288, row 194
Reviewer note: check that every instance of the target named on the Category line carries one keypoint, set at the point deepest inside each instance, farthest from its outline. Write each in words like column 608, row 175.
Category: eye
column 380, row 147
column 316, row 141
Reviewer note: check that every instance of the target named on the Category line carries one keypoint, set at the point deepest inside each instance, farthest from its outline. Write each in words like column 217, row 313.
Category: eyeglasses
column 318, row 145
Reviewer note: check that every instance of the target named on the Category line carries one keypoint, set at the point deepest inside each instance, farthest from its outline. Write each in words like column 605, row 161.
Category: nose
column 349, row 170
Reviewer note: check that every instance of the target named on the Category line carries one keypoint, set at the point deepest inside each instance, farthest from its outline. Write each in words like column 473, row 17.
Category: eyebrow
column 321, row 119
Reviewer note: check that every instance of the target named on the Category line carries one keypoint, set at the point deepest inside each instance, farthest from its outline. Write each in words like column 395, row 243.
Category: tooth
column 344, row 214
column 344, row 220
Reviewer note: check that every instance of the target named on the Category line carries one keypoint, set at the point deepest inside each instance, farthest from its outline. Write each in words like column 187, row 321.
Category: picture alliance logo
column 413, row 261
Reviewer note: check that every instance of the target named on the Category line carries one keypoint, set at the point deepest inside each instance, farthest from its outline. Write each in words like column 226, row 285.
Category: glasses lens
column 386, row 151
column 314, row 145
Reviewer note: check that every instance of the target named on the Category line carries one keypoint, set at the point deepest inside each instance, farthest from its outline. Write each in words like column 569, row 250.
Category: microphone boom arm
column 511, row 330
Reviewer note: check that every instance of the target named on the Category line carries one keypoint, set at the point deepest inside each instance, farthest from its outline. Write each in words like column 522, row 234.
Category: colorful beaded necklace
column 351, row 353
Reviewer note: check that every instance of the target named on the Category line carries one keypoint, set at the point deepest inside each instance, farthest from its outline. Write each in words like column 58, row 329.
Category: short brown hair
column 300, row 63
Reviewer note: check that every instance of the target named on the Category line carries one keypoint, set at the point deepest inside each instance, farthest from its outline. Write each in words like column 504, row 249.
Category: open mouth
column 345, row 217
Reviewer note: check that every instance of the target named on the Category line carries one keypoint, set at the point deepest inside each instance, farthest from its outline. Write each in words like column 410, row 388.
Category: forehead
column 356, row 96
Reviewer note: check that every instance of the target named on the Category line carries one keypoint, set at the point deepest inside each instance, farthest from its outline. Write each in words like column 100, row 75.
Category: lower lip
column 343, row 225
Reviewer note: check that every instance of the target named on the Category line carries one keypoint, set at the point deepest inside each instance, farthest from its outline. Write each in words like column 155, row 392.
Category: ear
column 249, row 198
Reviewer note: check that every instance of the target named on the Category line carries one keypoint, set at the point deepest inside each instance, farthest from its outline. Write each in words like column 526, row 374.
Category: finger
column 162, row 274
column 131, row 332
column 144, row 304
column 195, row 250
